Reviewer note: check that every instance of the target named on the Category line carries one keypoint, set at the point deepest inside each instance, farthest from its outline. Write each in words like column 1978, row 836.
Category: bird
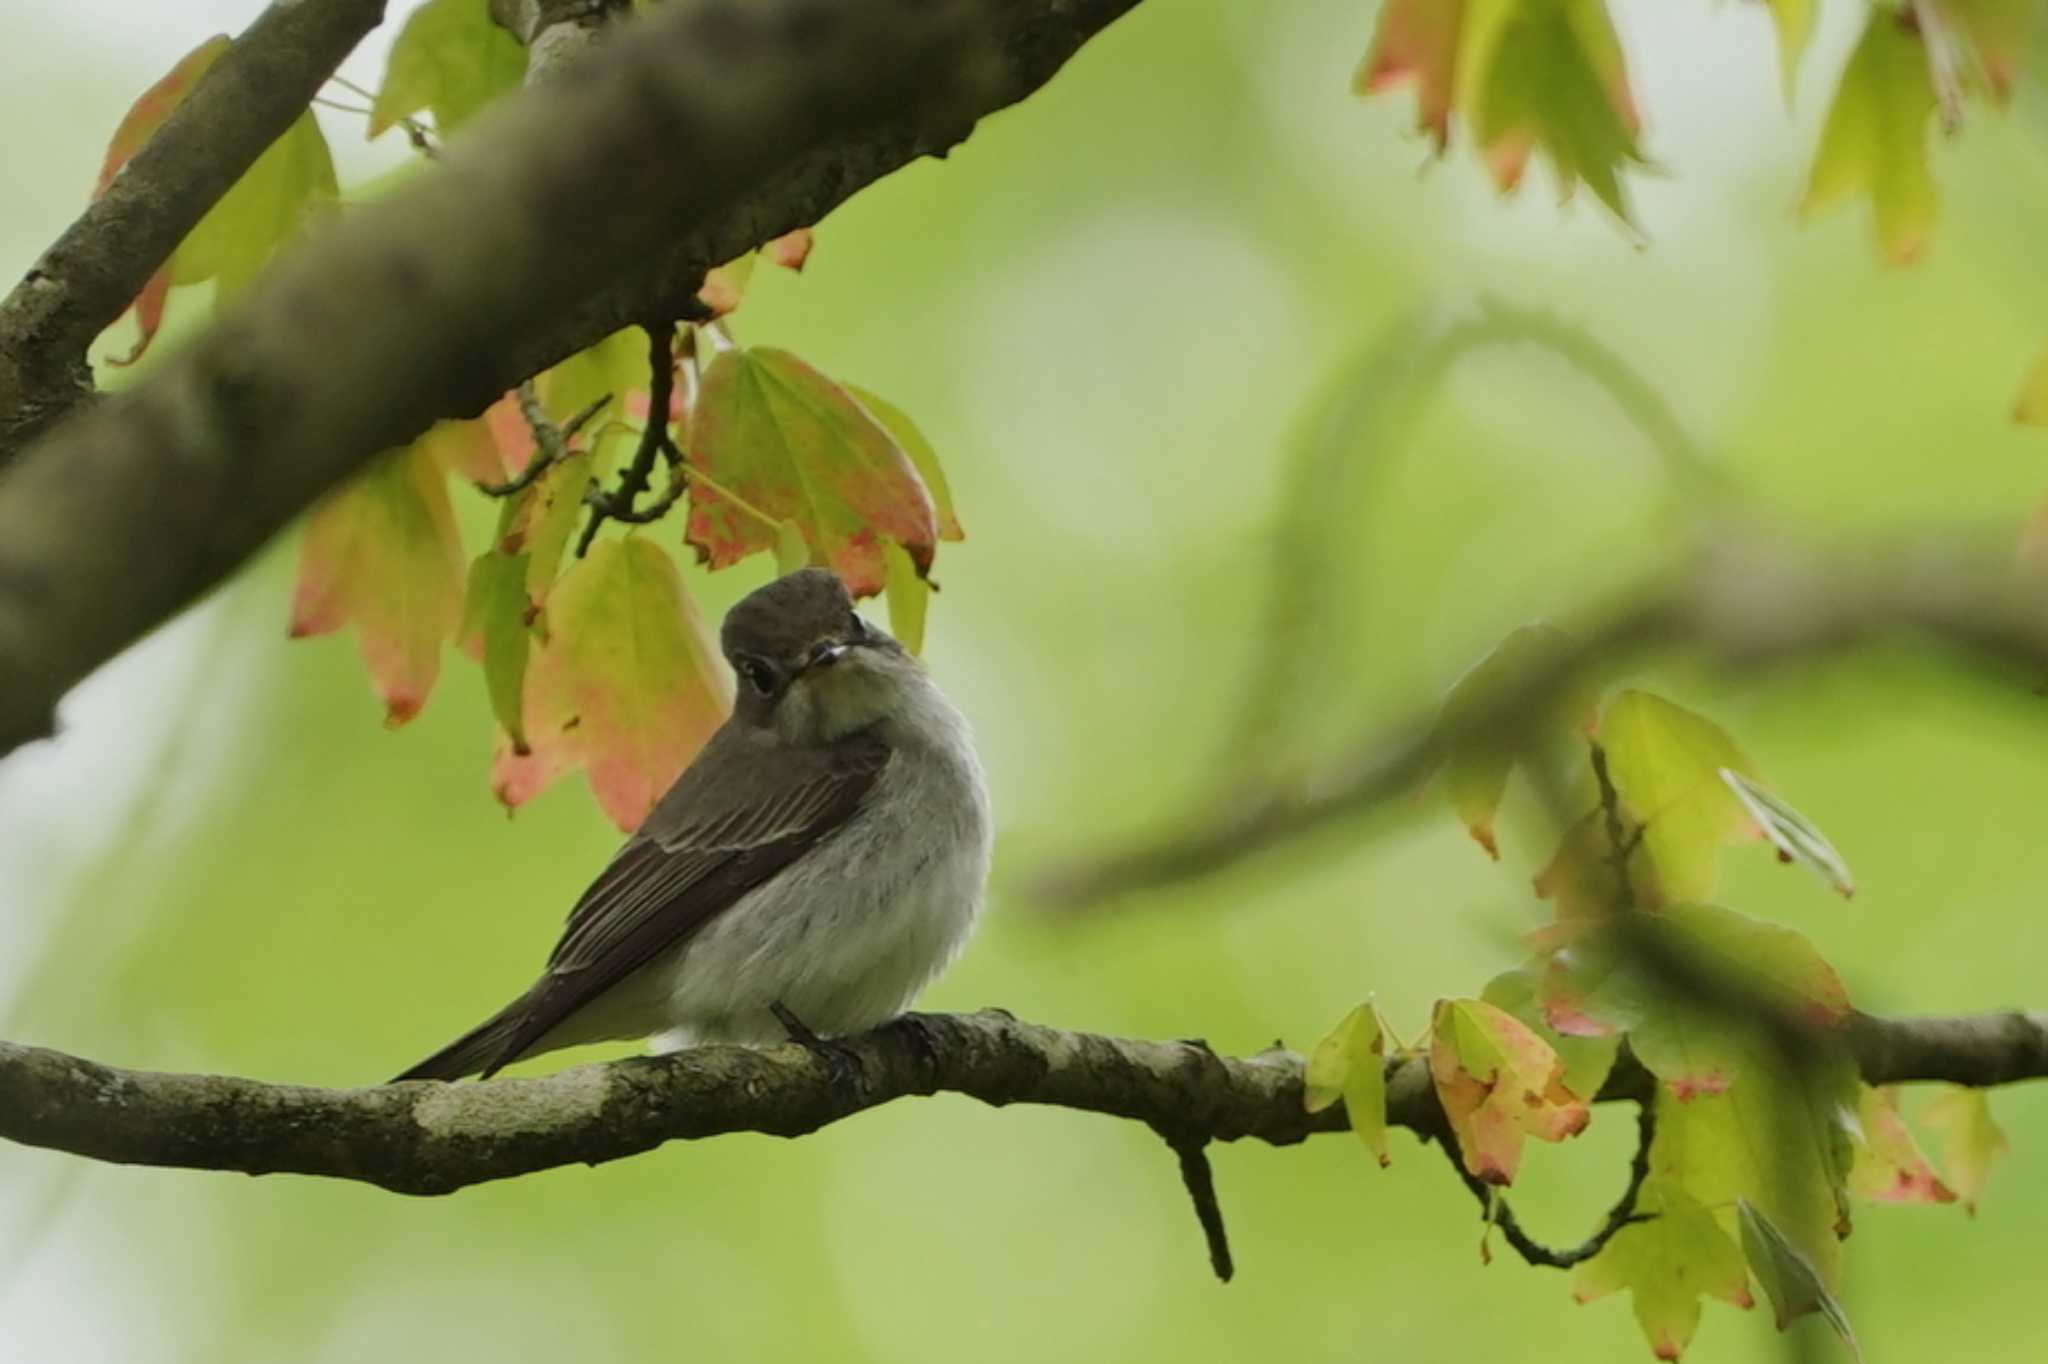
column 821, row 860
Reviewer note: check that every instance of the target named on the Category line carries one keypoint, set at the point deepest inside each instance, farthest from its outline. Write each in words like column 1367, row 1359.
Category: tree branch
column 90, row 274
column 733, row 121
column 429, row 1138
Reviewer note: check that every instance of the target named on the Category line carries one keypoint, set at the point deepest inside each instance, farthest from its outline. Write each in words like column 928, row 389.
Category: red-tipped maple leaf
column 1416, row 43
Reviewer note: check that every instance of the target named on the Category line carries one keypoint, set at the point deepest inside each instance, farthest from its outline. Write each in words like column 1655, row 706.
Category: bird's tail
column 483, row 1048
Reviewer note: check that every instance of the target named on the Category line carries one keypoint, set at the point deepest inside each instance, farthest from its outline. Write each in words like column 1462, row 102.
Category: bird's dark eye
column 759, row 675
column 856, row 628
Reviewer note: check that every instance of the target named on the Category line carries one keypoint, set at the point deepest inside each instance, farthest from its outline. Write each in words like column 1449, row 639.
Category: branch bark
column 90, row 274
column 731, row 122
column 428, row 1138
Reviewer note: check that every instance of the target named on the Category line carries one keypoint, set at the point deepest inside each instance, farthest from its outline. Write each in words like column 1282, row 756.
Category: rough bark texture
column 732, row 122
column 429, row 1138
column 88, row 276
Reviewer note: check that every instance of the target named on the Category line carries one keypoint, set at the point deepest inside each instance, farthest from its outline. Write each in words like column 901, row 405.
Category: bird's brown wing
column 723, row 829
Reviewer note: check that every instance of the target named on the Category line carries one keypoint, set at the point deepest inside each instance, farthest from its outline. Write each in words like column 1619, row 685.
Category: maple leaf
column 450, row 59
column 496, row 619
column 923, row 458
column 1678, row 1254
column 382, row 554
column 1587, row 1058
column 1971, row 1140
column 1499, row 1083
column 1351, row 1064
column 627, row 686
column 773, row 440
column 1474, row 766
column 792, row 249
column 1548, row 75
column 143, row 118
column 1416, row 43
column 725, row 285
column 1793, row 22
column 287, row 186
column 1666, row 764
column 1793, row 1283
column 1875, row 139
column 1888, row 1166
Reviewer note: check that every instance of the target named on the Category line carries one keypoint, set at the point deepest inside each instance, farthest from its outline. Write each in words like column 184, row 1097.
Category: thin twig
column 1200, row 1181
column 655, row 443
column 550, row 443
column 1532, row 1251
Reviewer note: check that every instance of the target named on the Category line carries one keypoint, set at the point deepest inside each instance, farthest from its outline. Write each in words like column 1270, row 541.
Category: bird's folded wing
column 706, row 845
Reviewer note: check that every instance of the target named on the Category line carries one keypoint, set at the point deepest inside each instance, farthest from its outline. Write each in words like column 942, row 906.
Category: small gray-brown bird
column 818, row 864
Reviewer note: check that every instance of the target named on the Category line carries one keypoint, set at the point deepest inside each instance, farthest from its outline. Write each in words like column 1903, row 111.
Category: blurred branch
column 729, row 123
column 90, row 274
column 431, row 1138
column 1746, row 603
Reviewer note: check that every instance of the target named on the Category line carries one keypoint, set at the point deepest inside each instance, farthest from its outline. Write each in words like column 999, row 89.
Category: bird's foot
column 841, row 1061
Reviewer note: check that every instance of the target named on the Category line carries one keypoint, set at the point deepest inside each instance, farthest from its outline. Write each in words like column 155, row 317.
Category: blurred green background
column 1110, row 311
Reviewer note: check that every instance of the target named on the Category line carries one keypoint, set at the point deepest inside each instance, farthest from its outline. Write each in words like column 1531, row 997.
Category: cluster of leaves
column 1763, row 1130
column 595, row 659
column 1522, row 76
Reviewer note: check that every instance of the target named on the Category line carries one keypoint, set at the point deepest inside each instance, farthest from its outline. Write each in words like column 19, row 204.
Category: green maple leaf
column 1474, row 766
column 290, row 184
column 1971, row 1140
column 1351, row 1064
column 1875, row 140
column 449, row 59
column 382, row 554
column 1677, row 1255
column 1666, row 764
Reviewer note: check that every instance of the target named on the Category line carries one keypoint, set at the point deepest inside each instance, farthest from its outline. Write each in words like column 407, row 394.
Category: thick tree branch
column 89, row 275
column 731, row 121
column 427, row 1138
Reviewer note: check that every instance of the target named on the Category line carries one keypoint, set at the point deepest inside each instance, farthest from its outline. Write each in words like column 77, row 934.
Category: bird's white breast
column 849, row 934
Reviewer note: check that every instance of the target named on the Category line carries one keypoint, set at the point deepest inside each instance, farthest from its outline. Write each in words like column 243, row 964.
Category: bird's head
column 809, row 667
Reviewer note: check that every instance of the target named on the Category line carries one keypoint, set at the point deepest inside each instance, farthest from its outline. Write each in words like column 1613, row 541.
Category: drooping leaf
column 897, row 423
column 726, row 285
column 1971, row 1140
column 1888, row 1166
column 382, row 554
column 1793, row 21
column 546, row 515
column 1678, row 1254
column 496, row 616
column 1416, row 43
column 1794, row 836
column 1474, row 765
column 909, row 597
column 276, row 197
column 627, row 686
column 1499, row 1083
column 1791, row 1281
column 1988, row 38
column 1666, row 763
column 449, row 59
column 143, row 118
column 1875, row 140
column 794, row 446
column 1351, row 1064
column 1548, row 75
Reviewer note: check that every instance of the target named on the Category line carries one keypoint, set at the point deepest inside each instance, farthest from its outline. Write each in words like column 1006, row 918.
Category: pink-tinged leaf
column 1888, row 1166
column 141, row 121
column 791, row 249
column 466, row 449
column 1416, row 43
column 725, row 286
column 898, row 424
column 628, row 685
column 781, row 442
column 1499, row 1083
column 382, row 555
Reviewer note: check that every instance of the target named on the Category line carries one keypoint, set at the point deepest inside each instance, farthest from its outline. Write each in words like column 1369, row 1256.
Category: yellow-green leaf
column 1351, row 1064
column 1888, row 1166
column 382, row 554
column 909, row 597
column 1791, row 833
column 1971, row 1140
column 449, row 59
column 1666, row 764
column 628, row 684
column 1793, row 21
column 496, row 617
column 291, row 182
column 1875, row 141
column 1475, row 764
column 1667, row 1262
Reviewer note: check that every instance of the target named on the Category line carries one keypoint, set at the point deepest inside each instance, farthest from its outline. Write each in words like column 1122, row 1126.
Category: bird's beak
column 825, row 655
